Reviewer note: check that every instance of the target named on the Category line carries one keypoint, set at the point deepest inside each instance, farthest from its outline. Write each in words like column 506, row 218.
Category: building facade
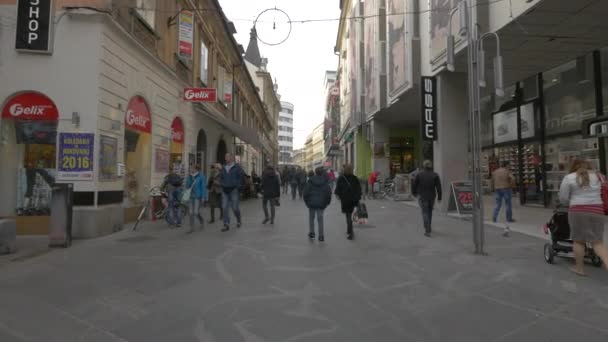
column 553, row 84
column 299, row 157
column 103, row 100
column 333, row 152
column 285, row 129
column 314, row 148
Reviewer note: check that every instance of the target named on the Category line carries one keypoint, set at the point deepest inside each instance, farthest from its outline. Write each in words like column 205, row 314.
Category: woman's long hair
column 581, row 168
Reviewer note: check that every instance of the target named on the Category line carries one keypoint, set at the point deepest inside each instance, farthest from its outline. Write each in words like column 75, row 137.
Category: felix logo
column 136, row 120
column 18, row 109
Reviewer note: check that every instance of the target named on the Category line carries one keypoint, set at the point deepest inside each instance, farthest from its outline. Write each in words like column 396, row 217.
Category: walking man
column 214, row 187
column 172, row 185
column 427, row 187
column 503, row 182
column 294, row 182
column 271, row 192
column 232, row 182
column 302, row 180
column 317, row 196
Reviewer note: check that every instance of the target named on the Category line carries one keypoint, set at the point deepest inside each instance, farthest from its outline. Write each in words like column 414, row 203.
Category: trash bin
column 62, row 200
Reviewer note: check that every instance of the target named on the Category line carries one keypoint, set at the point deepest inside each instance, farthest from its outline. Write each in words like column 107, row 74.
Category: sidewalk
column 270, row 283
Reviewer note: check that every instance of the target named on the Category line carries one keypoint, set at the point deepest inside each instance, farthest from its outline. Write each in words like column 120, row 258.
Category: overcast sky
column 299, row 64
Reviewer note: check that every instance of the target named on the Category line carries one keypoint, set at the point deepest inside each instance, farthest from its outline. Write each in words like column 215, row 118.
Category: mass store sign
column 34, row 26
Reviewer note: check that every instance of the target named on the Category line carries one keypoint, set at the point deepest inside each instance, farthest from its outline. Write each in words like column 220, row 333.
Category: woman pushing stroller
column 582, row 191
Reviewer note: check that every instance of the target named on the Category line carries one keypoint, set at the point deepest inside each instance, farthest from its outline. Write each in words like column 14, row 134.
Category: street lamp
column 476, row 74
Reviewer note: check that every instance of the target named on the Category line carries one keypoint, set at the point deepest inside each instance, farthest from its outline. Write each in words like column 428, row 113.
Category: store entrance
column 29, row 135
column 201, row 150
column 137, row 147
column 401, row 155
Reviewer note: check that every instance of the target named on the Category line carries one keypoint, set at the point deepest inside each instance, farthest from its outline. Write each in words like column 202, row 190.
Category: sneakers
column 265, row 221
column 238, row 224
column 350, row 236
column 321, row 238
column 226, row 228
column 427, row 234
column 311, row 235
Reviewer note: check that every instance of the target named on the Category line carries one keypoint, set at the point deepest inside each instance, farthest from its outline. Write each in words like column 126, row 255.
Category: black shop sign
column 461, row 200
column 429, row 108
column 34, row 25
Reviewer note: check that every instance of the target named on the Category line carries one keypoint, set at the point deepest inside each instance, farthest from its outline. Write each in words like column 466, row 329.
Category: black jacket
column 348, row 189
column 427, row 185
column 270, row 184
column 317, row 193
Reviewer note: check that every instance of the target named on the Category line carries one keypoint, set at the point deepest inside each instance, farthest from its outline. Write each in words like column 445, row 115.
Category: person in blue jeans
column 427, row 188
column 232, row 178
column 503, row 182
column 197, row 183
column 172, row 185
column 317, row 196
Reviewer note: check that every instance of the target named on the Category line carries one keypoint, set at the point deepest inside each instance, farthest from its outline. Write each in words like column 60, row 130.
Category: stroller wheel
column 596, row 261
column 549, row 253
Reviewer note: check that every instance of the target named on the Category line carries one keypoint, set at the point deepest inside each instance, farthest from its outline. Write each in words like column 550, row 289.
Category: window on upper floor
column 147, row 10
column 204, row 72
column 221, row 80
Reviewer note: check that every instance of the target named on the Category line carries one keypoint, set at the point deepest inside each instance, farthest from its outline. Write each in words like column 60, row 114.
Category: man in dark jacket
column 294, row 182
column 348, row 190
column 302, row 181
column 427, row 187
column 317, row 196
column 271, row 192
column 232, row 181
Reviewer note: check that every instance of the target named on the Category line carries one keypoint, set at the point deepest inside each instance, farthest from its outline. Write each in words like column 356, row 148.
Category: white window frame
column 221, row 79
column 147, row 11
column 204, row 69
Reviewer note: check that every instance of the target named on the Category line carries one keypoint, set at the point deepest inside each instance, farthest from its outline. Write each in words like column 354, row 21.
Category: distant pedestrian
column 503, row 181
column 331, row 175
column 198, row 194
column 271, row 193
column 371, row 183
column 581, row 190
column 317, row 196
column 348, row 189
column 302, row 180
column 214, row 187
column 285, row 177
column 427, row 187
column 233, row 178
column 294, row 182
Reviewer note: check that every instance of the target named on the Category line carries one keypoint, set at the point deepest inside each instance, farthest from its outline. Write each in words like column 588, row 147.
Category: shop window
column 147, row 11
column 569, row 93
column 487, row 108
column 221, row 79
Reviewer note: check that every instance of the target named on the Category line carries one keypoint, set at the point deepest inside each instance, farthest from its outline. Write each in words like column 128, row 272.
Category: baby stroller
column 559, row 230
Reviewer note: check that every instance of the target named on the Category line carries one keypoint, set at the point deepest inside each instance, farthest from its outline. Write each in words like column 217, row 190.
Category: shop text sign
column 30, row 106
column 200, row 94
column 75, row 156
column 34, row 25
column 186, row 34
column 429, row 108
column 138, row 115
column 461, row 200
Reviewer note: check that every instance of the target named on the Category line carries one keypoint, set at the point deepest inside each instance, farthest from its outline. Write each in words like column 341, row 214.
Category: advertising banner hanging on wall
column 440, row 20
column 34, row 26
column 505, row 124
column 75, row 156
column 399, row 41
column 371, row 53
column 177, row 131
column 186, row 34
column 429, row 108
column 228, row 89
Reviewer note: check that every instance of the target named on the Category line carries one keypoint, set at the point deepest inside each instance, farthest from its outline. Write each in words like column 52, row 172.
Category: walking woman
column 271, row 192
column 196, row 182
column 581, row 190
column 215, row 191
column 348, row 190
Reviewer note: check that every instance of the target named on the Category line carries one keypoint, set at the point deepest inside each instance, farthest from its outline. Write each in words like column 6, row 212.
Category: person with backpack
column 317, row 196
column 233, row 178
column 348, row 191
column 271, row 192
column 427, row 187
column 198, row 194
column 172, row 185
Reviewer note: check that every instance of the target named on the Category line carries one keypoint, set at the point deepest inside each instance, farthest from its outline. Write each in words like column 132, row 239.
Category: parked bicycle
column 161, row 212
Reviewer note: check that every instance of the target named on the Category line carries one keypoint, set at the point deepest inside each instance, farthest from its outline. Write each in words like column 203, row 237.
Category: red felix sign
column 200, row 95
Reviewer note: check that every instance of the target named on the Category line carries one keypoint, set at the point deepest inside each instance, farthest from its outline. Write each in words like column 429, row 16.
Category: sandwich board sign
column 461, row 200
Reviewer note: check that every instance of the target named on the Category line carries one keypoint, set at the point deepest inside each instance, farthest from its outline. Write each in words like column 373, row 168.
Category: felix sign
column 200, row 95
column 429, row 108
column 34, row 25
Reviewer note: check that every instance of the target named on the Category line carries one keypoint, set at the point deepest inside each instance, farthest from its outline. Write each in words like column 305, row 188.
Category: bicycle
column 159, row 213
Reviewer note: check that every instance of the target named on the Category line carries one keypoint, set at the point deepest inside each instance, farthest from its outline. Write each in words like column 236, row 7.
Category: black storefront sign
column 34, row 25
column 429, row 108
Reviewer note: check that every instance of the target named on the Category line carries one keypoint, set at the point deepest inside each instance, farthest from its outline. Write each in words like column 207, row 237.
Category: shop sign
column 138, row 115
column 177, row 131
column 34, row 25
column 30, row 106
column 200, row 95
column 75, row 156
column 461, row 200
column 429, row 108
column 186, row 34
column 162, row 161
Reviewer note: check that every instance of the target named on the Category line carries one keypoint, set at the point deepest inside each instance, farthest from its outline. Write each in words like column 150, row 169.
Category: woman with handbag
column 582, row 191
column 348, row 190
column 271, row 192
column 197, row 191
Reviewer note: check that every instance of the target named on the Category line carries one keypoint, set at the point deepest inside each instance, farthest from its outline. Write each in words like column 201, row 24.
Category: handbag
column 277, row 202
column 186, row 196
column 604, row 191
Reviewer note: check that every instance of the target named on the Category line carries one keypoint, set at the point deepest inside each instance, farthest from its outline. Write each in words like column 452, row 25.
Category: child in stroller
column 561, row 243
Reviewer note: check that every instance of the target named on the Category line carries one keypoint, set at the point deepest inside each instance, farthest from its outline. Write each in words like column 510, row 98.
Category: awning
column 246, row 134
